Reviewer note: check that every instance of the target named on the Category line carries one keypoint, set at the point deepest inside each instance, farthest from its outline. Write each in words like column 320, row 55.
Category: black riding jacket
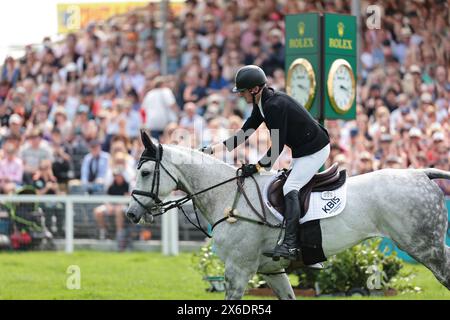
column 296, row 127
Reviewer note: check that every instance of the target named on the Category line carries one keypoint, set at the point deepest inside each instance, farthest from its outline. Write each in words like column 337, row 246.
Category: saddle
column 327, row 180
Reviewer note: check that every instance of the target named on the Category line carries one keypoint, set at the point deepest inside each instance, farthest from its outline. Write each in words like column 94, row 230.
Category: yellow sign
column 340, row 44
column 301, row 28
column 75, row 16
column 340, row 29
column 301, row 43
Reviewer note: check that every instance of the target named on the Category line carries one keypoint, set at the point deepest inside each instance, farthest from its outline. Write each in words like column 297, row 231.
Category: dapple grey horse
column 404, row 205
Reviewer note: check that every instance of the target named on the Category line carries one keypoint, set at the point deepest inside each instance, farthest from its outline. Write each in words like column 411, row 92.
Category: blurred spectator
column 364, row 164
column 62, row 163
column 118, row 187
column 33, row 152
column 15, row 126
column 191, row 120
column 11, row 167
column 43, row 179
column 94, row 168
column 215, row 81
column 10, row 71
column 160, row 107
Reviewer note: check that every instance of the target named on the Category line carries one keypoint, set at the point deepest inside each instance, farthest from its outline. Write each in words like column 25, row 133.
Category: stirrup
column 316, row 266
column 291, row 254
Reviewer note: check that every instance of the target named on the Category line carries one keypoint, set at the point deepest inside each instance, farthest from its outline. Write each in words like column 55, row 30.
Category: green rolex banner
column 340, row 52
column 321, row 62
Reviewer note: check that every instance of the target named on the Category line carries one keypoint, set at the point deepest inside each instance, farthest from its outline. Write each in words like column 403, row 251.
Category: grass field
column 42, row 275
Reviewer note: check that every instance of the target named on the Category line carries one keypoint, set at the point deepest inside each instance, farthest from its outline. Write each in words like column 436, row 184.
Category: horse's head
column 155, row 180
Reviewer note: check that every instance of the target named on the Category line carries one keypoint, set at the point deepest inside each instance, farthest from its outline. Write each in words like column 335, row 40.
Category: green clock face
column 301, row 82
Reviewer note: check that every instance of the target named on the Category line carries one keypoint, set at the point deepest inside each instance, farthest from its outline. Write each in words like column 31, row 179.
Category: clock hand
column 300, row 86
column 345, row 88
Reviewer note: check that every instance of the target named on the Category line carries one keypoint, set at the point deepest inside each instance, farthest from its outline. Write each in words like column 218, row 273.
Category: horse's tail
column 436, row 173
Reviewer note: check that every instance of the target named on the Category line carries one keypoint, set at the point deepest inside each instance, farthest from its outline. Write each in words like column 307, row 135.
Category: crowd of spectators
column 71, row 111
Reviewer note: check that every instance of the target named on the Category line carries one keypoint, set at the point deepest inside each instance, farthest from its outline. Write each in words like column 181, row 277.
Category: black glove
column 248, row 169
column 207, row 150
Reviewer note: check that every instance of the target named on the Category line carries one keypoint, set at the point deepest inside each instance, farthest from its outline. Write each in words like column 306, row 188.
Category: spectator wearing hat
column 364, row 163
column 380, row 123
column 33, row 152
column 392, row 161
column 62, row 123
column 81, row 120
column 15, row 126
column 403, row 108
column 94, row 168
column 416, row 73
column 415, row 145
column 385, row 147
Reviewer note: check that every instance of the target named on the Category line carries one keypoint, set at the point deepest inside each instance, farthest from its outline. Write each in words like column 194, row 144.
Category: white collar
column 260, row 106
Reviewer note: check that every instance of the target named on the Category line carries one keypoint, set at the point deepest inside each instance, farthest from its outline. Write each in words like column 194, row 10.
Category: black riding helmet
column 249, row 77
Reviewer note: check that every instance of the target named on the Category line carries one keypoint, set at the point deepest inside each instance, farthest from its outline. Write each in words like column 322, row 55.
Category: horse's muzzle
column 133, row 217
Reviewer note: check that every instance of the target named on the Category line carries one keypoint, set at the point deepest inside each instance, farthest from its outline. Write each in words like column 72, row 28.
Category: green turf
column 42, row 275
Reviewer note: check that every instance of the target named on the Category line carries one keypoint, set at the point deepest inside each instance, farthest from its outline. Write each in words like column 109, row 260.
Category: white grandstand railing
column 169, row 235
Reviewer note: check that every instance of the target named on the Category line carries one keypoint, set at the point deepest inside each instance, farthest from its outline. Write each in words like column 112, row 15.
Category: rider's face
column 247, row 95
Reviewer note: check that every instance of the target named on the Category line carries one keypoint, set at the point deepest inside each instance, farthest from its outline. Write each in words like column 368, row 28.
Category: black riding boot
column 288, row 249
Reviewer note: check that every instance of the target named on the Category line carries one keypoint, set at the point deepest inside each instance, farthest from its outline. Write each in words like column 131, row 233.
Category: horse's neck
column 198, row 175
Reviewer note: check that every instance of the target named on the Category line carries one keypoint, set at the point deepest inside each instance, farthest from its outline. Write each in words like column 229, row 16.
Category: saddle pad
column 322, row 205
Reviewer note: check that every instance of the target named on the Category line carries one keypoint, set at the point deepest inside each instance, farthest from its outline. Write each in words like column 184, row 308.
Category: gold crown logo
column 340, row 27
column 301, row 28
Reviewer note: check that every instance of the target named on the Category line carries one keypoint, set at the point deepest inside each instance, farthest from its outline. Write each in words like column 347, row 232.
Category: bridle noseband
column 154, row 192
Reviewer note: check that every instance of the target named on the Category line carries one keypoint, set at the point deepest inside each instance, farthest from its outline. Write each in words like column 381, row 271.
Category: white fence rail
column 169, row 236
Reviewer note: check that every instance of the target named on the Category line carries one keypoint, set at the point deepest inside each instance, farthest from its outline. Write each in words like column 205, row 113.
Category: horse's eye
column 145, row 173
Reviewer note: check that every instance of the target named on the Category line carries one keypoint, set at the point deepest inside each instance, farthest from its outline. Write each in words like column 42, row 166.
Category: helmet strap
column 254, row 94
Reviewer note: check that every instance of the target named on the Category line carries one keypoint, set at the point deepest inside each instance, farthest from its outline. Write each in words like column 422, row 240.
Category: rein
column 163, row 207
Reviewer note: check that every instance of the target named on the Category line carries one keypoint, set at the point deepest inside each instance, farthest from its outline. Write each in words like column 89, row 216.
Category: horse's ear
column 147, row 141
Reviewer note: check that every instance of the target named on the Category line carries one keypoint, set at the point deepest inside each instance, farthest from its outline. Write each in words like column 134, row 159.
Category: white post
column 173, row 227
column 169, row 232
column 69, row 226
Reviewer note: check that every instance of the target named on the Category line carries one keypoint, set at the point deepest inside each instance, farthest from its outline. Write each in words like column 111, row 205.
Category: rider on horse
column 308, row 140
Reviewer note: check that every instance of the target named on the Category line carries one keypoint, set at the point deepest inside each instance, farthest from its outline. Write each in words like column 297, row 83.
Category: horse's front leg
column 236, row 280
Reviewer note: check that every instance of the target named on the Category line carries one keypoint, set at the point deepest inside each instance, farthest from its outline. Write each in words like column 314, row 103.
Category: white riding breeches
column 304, row 168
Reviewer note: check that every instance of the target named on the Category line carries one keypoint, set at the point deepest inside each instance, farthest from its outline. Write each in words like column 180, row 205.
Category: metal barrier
column 170, row 223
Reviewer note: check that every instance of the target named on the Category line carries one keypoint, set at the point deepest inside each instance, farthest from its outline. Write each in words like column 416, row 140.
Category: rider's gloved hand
column 249, row 169
column 207, row 150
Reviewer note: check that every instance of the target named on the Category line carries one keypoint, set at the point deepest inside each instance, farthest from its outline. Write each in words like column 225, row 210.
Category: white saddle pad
column 322, row 205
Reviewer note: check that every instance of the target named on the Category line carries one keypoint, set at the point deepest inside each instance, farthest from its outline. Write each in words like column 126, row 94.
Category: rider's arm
column 278, row 140
column 250, row 126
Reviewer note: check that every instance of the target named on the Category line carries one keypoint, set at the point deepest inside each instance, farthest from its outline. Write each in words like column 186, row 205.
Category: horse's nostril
column 132, row 216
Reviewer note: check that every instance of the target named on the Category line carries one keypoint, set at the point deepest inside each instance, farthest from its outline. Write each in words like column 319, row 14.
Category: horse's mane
column 189, row 150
